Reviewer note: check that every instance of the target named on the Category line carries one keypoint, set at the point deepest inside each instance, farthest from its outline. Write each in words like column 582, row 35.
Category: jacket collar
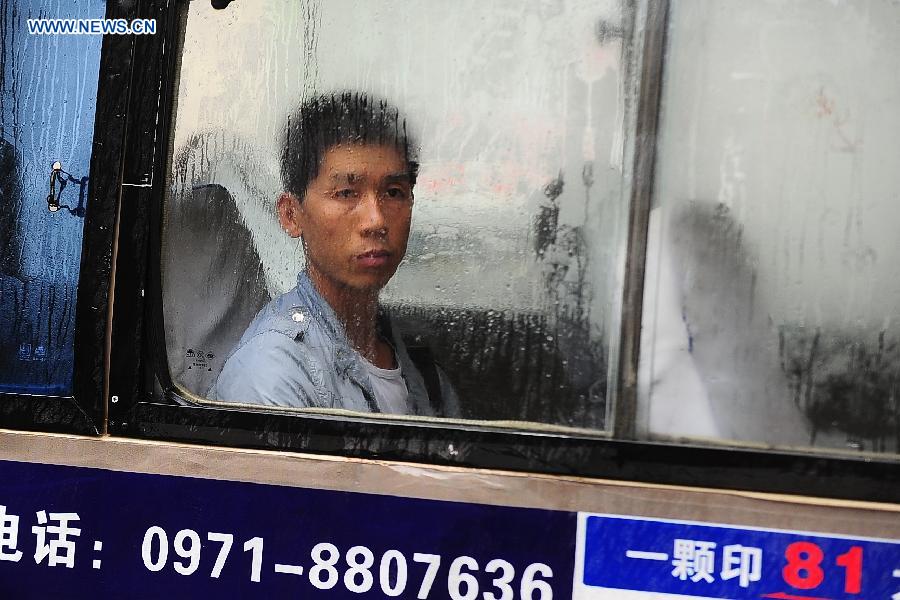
column 319, row 308
column 344, row 355
column 346, row 362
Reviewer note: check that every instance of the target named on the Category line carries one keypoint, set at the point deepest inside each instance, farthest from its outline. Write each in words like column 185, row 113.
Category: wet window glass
column 48, row 88
column 771, row 297
column 463, row 159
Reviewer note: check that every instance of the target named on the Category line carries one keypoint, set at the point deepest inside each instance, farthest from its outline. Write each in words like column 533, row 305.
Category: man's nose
column 373, row 219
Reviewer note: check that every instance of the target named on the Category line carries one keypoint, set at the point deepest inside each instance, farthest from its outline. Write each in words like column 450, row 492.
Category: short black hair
column 328, row 120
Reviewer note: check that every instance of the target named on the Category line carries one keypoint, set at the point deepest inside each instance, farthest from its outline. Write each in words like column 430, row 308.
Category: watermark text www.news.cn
column 91, row 26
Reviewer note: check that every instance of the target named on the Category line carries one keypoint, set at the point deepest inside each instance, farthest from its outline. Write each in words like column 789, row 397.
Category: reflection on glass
column 771, row 300
column 48, row 88
column 512, row 272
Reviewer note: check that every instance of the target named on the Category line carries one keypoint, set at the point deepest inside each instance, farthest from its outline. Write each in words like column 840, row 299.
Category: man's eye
column 345, row 193
column 397, row 193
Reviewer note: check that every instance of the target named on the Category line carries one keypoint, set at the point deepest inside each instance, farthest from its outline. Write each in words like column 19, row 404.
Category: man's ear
column 289, row 210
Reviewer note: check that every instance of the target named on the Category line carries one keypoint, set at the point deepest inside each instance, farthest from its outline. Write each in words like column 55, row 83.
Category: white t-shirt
column 390, row 389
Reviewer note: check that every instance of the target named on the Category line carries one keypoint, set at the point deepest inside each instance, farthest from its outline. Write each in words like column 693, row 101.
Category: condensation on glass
column 772, row 301
column 48, row 88
column 513, row 271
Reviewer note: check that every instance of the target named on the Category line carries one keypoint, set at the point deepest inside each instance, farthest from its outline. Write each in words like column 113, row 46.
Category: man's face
column 355, row 217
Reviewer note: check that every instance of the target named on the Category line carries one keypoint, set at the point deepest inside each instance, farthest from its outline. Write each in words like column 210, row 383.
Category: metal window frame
column 642, row 187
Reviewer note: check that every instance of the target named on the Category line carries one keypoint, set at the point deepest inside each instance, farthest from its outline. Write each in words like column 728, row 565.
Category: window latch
column 57, row 174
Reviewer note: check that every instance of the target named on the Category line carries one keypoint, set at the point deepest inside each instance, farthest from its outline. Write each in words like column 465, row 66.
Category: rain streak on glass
column 48, row 89
column 772, row 302
column 513, row 270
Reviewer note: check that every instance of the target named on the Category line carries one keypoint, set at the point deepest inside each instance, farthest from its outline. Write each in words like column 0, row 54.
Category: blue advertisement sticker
column 70, row 532
column 707, row 561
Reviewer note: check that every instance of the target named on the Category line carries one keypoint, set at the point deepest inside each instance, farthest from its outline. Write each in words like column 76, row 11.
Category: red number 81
column 803, row 570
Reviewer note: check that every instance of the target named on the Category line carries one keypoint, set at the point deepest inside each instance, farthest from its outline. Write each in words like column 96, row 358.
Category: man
column 349, row 167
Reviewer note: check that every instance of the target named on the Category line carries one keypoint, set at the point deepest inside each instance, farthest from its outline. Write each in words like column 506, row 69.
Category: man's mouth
column 373, row 258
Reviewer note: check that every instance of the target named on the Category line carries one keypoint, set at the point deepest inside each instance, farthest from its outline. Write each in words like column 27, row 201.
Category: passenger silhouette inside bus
column 349, row 168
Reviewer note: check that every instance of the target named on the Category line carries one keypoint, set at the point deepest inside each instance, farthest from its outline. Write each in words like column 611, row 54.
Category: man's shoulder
column 273, row 362
column 276, row 338
column 285, row 314
column 270, row 367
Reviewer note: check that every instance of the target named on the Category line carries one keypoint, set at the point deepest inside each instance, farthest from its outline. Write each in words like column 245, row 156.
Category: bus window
column 510, row 284
column 771, row 298
column 48, row 88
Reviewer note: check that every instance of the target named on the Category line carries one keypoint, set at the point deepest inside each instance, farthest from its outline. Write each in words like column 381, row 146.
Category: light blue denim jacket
column 295, row 354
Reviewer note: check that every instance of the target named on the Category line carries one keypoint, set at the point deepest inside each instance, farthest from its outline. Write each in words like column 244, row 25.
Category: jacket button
column 297, row 316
